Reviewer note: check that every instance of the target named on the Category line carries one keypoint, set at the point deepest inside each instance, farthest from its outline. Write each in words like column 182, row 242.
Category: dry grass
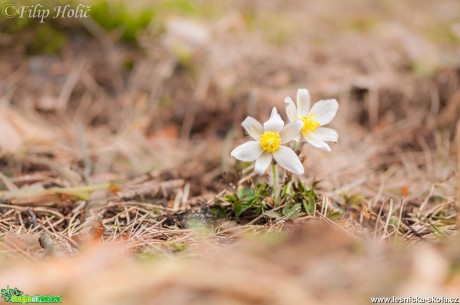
column 117, row 171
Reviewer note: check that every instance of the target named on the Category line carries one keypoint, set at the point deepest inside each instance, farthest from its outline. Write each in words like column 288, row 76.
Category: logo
column 17, row 296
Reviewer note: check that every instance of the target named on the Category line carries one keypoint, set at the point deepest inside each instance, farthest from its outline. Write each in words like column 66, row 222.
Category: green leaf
column 292, row 211
column 309, row 202
column 237, row 206
column 249, row 199
column 287, row 189
column 332, row 214
column 309, row 206
column 272, row 214
column 231, row 198
column 244, row 193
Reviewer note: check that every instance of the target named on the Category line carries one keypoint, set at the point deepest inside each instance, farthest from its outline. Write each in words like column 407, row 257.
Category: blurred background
column 155, row 91
column 143, row 77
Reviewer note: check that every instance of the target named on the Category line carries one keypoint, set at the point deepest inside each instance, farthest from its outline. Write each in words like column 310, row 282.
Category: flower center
column 310, row 124
column 270, row 141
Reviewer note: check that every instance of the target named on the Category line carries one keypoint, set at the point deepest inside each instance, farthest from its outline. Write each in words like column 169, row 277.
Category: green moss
column 117, row 16
column 47, row 40
column 14, row 25
column 189, row 8
column 185, row 7
column 112, row 16
column 40, row 36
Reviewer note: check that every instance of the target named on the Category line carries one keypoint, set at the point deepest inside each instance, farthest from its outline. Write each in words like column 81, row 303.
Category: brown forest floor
column 115, row 159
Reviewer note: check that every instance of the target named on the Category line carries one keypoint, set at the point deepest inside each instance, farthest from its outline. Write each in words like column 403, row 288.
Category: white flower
column 270, row 140
column 320, row 114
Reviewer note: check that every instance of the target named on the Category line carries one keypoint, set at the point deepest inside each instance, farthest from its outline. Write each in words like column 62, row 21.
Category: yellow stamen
column 310, row 124
column 270, row 141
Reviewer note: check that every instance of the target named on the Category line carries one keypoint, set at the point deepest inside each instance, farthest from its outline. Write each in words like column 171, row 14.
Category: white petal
column 303, row 102
column 275, row 123
column 288, row 160
column 290, row 131
column 262, row 163
column 291, row 109
column 253, row 127
column 248, row 151
column 318, row 143
column 325, row 110
column 326, row 134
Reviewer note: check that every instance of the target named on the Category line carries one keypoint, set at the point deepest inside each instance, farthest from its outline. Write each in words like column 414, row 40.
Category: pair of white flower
column 270, row 140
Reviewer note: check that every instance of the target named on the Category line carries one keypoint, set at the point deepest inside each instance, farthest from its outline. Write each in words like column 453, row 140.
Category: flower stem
column 275, row 185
